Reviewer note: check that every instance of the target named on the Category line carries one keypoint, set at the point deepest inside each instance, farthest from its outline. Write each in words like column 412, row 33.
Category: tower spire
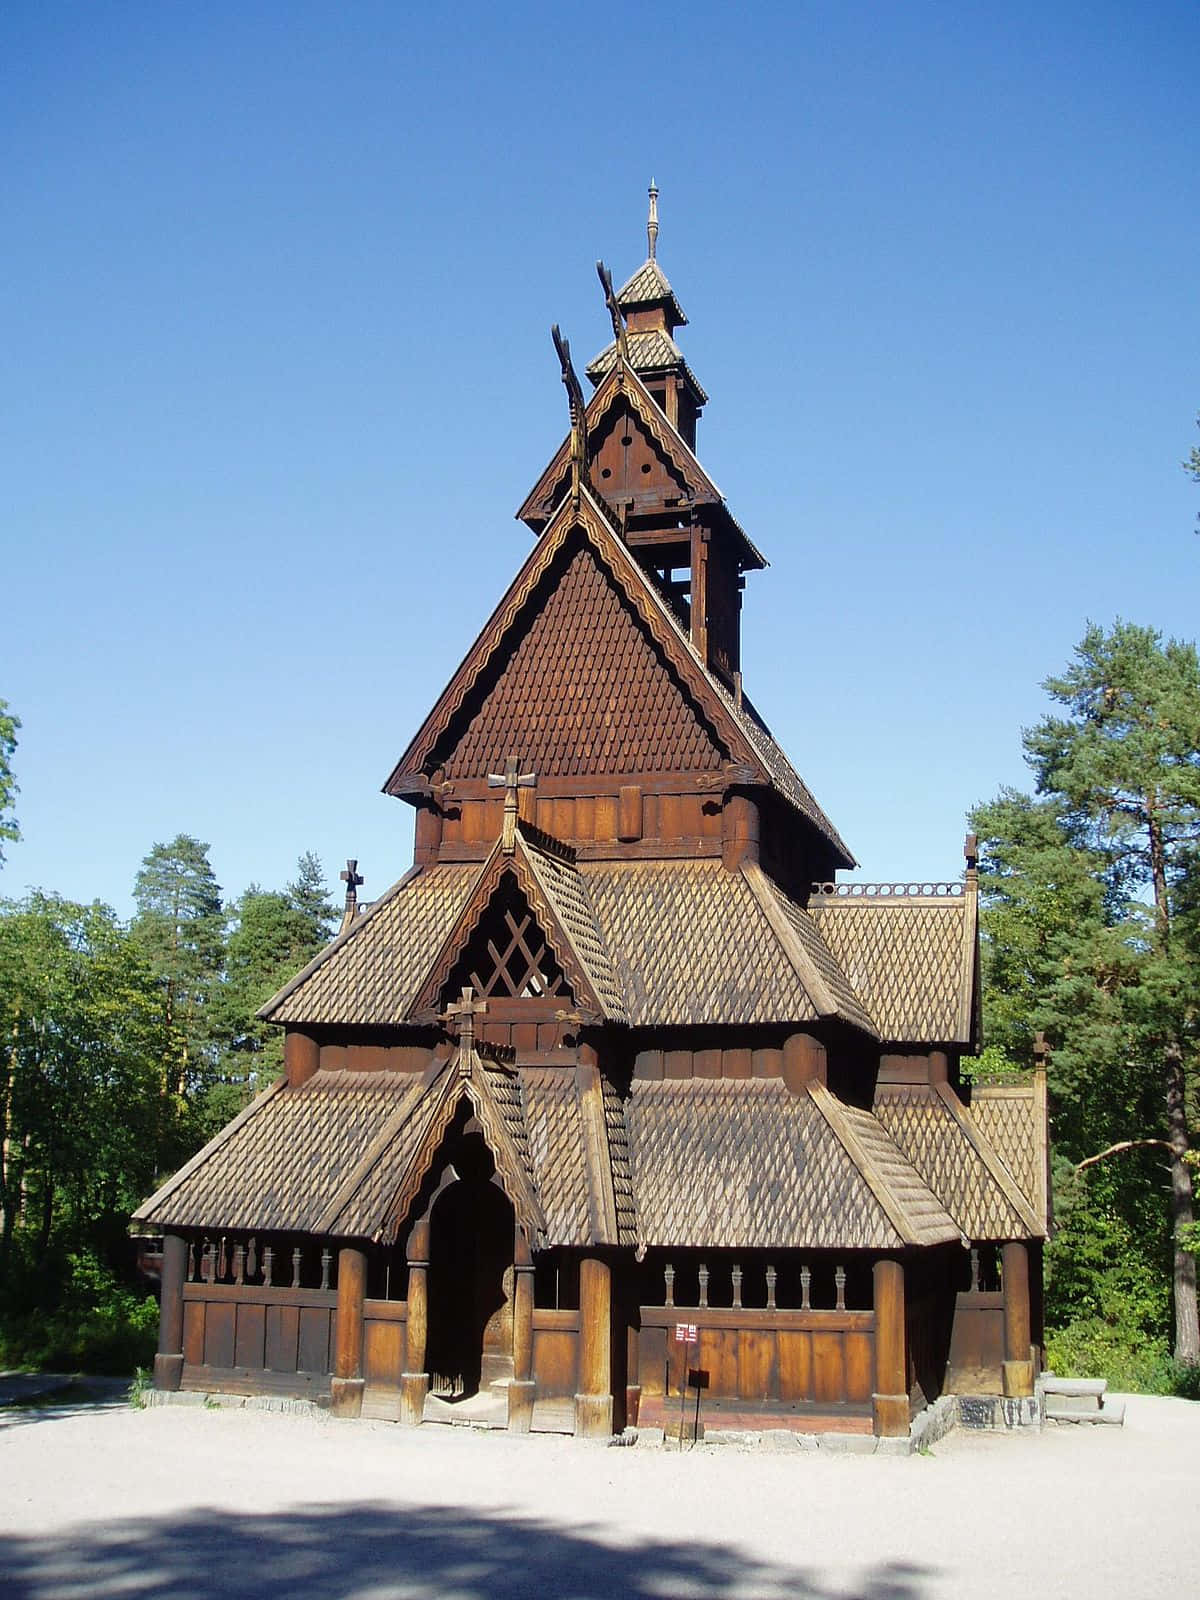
column 652, row 220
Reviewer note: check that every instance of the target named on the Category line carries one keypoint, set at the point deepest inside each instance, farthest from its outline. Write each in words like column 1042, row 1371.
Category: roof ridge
column 762, row 888
column 834, row 1112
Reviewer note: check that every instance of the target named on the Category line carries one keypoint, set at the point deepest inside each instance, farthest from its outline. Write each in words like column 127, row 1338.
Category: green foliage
column 95, row 1324
column 8, row 785
column 180, row 925
column 1094, row 1348
column 274, row 935
column 1091, row 910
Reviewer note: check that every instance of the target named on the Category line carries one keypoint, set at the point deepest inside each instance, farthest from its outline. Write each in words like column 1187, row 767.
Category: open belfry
column 618, row 1092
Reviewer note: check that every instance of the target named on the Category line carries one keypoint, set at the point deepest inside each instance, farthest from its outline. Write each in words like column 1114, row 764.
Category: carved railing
column 887, row 891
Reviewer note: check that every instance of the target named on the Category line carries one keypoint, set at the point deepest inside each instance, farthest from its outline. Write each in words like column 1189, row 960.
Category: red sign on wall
column 685, row 1333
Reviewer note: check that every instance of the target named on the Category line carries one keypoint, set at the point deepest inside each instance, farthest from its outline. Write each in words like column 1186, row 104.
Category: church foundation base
column 346, row 1396
column 520, row 1406
column 414, row 1386
column 890, row 1414
column 1018, row 1378
column 168, row 1371
column 593, row 1416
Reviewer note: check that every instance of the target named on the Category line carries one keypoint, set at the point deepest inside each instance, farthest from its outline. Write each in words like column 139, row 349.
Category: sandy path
column 190, row 1502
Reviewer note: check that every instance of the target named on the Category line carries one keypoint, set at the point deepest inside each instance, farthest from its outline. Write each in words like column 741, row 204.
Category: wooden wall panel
column 219, row 1335
column 829, row 1368
column 193, row 1332
column 795, row 1366
column 249, row 1345
column 383, row 1347
column 555, row 1362
column 314, row 1341
column 757, row 1368
column 282, row 1338
column 860, row 1366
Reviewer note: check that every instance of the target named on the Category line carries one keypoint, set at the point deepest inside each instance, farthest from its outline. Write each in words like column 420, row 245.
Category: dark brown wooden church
column 619, row 1055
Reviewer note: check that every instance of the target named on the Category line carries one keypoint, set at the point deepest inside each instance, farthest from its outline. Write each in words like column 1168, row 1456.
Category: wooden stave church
column 618, row 1057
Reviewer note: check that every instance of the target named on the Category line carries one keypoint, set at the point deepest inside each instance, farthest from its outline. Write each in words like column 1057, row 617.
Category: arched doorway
column 470, row 1344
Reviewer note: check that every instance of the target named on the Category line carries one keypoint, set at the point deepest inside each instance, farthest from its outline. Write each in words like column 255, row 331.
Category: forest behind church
column 127, row 1044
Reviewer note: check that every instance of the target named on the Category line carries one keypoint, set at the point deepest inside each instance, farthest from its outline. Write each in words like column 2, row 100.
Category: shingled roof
column 650, row 350
column 649, row 286
column 749, row 1165
column 940, row 1138
column 909, row 955
column 651, row 943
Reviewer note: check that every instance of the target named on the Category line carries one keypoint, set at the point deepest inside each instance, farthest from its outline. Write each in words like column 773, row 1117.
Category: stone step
column 1049, row 1384
column 1109, row 1411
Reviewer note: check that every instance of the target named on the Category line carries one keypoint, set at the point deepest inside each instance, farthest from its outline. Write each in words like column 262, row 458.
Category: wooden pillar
column 739, row 830
column 804, row 1061
column 346, row 1389
column 889, row 1403
column 522, row 1388
column 427, row 839
column 414, row 1380
column 168, row 1363
column 1018, row 1360
column 301, row 1056
column 593, row 1402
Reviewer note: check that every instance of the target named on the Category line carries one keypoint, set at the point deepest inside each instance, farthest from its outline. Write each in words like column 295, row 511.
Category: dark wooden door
column 470, row 1289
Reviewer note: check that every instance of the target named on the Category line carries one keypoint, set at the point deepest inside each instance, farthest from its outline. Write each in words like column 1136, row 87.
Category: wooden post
column 168, row 1363
column 1018, row 1360
column 346, row 1388
column 522, row 1388
column 889, row 1403
column 804, row 1061
column 301, row 1056
column 739, row 830
column 593, row 1402
column 414, row 1380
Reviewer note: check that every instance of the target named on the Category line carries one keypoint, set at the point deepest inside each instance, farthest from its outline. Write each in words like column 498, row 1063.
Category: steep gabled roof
column 623, row 384
column 649, row 286
column 650, row 350
column 735, row 737
column 546, row 874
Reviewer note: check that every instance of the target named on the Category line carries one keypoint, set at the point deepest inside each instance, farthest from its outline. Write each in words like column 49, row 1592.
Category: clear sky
column 277, row 285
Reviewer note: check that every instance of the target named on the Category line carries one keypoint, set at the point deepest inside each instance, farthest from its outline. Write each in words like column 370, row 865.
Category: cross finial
column 351, row 878
column 459, row 1016
column 652, row 220
column 511, row 780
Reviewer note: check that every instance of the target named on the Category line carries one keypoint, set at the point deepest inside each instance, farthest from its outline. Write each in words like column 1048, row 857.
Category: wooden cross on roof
column 459, row 1017
column 511, row 780
column 351, row 878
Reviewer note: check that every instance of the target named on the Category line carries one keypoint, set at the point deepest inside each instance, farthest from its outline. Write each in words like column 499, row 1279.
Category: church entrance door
column 470, row 1343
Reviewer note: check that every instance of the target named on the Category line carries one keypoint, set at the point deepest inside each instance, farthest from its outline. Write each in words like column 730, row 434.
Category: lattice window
column 507, row 957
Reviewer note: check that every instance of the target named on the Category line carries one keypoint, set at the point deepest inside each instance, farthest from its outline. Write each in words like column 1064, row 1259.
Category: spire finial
column 652, row 219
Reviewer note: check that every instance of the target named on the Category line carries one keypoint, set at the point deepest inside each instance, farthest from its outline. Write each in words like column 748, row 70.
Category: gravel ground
column 103, row 1500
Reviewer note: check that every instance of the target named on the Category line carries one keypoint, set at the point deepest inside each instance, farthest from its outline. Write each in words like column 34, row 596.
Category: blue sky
column 278, row 288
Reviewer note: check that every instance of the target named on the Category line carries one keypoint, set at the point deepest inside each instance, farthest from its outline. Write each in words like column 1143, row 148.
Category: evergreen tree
column 274, row 935
column 180, row 925
column 1110, row 974
column 8, row 786
column 309, row 894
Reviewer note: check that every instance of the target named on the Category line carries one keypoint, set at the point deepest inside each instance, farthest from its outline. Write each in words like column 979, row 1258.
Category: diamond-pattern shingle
column 556, row 1148
column 567, row 892
column 651, row 350
column 648, row 286
column 584, row 690
column 279, row 1167
column 906, row 958
column 368, row 975
column 930, row 1135
column 747, row 1164
column 1008, row 1120
column 691, row 944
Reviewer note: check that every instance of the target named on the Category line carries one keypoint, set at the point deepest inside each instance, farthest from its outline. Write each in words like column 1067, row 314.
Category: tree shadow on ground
column 335, row 1552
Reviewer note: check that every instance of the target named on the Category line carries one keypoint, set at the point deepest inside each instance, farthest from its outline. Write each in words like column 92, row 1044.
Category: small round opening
column 645, row 466
column 606, row 472
column 627, row 440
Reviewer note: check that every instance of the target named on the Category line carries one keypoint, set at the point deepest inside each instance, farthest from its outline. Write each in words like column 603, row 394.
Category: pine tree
column 1115, row 978
column 8, row 785
column 310, row 895
column 180, row 925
